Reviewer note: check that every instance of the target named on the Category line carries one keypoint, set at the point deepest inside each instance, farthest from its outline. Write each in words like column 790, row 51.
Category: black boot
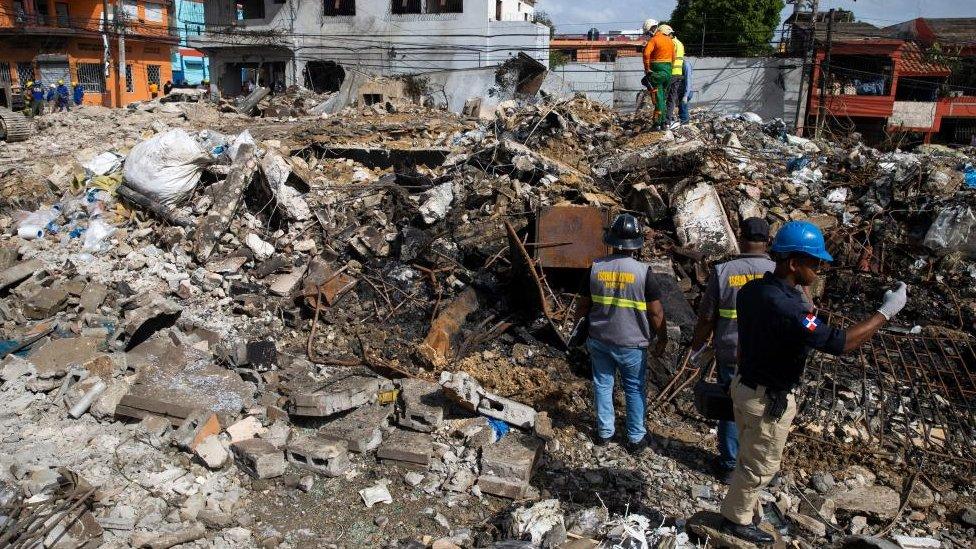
column 749, row 533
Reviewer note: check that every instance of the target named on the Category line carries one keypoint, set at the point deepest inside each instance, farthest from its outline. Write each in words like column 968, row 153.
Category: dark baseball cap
column 754, row 229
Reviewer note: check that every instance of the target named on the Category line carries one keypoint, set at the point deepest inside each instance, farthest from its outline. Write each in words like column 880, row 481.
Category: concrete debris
column 358, row 286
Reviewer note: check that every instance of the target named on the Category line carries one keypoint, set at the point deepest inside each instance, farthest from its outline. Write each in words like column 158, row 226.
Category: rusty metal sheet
column 570, row 237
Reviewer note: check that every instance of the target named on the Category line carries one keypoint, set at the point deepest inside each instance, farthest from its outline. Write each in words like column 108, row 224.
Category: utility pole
column 809, row 61
column 120, row 23
column 824, row 72
column 107, row 53
column 704, row 22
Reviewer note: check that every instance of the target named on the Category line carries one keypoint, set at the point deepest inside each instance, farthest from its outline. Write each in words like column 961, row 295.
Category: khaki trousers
column 761, row 443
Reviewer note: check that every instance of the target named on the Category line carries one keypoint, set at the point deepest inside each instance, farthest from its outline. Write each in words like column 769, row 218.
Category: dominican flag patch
column 811, row 322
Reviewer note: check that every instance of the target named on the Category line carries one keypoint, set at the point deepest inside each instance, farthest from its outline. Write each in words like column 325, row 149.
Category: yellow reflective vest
column 677, row 69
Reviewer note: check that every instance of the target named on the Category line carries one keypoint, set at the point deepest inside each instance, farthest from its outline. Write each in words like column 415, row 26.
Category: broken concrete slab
column 54, row 357
column 361, row 429
column 318, row 453
column 343, row 394
column 667, row 157
column 507, row 465
column 420, row 406
column 462, row 389
column 226, row 203
column 174, row 380
column 20, row 272
column 878, row 501
column 701, row 223
column 258, row 458
column 92, row 297
column 45, row 302
column 141, row 323
column 211, row 452
column 408, row 447
column 249, row 427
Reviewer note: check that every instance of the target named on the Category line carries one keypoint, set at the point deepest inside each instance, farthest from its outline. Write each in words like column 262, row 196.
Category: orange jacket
column 659, row 49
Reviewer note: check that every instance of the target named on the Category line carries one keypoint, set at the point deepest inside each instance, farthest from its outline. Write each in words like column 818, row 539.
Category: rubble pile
column 350, row 328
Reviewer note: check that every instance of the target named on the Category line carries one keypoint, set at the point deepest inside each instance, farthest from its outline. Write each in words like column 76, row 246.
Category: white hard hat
column 666, row 30
column 650, row 25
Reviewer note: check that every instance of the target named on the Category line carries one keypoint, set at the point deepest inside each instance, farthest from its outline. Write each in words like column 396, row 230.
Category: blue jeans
column 728, row 435
column 631, row 363
column 683, row 113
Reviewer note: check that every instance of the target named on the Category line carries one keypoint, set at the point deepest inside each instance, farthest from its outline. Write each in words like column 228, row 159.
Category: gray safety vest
column 733, row 275
column 618, row 315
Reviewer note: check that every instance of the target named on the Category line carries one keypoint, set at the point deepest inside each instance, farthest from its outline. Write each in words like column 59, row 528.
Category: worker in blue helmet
column 777, row 330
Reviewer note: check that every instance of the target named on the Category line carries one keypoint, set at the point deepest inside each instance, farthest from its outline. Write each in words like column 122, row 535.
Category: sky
column 578, row 16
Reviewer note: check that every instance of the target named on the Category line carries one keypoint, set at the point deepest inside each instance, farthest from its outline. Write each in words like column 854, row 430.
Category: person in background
column 64, row 97
column 79, row 93
column 677, row 85
column 37, row 98
column 625, row 314
column 153, row 90
column 167, row 87
column 51, row 97
column 658, row 64
column 687, row 94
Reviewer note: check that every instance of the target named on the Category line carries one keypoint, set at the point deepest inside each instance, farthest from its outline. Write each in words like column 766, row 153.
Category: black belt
column 755, row 386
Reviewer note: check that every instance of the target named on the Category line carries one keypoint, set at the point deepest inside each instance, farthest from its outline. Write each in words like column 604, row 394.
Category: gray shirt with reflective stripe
column 723, row 287
column 620, row 290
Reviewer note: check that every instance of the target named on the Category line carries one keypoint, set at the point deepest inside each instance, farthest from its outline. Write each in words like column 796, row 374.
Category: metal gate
column 52, row 71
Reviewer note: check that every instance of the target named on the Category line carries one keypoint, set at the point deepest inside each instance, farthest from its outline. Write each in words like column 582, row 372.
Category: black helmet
column 625, row 233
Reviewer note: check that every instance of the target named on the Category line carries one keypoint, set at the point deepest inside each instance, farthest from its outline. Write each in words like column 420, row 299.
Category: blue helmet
column 801, row 237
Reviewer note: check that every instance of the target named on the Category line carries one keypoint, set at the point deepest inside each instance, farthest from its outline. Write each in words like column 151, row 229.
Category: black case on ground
column 713, row 401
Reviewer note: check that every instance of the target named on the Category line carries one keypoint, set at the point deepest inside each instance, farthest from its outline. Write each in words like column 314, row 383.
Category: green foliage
column 543, row 18
column 731, row 27
column 557, row 58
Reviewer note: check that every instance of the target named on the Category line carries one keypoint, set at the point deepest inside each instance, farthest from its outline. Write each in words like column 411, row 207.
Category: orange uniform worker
column 658, row 63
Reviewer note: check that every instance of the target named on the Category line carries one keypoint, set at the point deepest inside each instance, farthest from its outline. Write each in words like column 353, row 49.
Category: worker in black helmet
column 625, row 314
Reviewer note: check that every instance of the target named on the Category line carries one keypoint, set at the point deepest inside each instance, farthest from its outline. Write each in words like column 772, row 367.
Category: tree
column 543, row 18
column 730, row 27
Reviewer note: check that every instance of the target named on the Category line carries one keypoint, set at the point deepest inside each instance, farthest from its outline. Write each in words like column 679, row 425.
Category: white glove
column 894, row 301
column 695, row 355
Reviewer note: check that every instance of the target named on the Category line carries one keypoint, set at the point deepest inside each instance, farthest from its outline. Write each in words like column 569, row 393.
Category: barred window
column 25, row 73
column 128, row 79
column 91, row 76
column 5, row 74
column 152, row 74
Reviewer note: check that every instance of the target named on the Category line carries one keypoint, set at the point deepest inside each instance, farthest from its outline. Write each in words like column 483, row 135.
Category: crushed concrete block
column 462, row 388
column 543, row 426
column 45, row 302
column 809, row 524
column 211, row 452
column 104, row 406
column 54, row 357
column 284, row 284
column 361, row 429
column 476, row 432
column 421, row 405
column 13, row 367
column 141, row 323
column 375, row 494
column 507, row 465
column 249, row 427
column 344, row 394
column 259, row 458
column 277, row 434
column 199, row 425
column 413, row 478
column 506, row 410
column 319, row 454
column 408, row 447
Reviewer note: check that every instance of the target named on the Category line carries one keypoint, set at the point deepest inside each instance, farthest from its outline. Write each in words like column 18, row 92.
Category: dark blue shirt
column 777, row 331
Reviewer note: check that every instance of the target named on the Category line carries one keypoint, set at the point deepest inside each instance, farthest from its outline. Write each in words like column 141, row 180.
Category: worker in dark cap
column 777, row 329
column 625, row 315
column 717, row 315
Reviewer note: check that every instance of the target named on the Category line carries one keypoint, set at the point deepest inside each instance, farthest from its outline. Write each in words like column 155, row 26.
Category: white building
column 315, row 42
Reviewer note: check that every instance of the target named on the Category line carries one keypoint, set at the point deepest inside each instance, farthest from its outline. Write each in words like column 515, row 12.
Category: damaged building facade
column 316, row 44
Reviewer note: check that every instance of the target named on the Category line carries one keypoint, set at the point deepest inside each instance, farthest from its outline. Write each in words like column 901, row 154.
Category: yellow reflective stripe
column 620, row 302
column 728, row 313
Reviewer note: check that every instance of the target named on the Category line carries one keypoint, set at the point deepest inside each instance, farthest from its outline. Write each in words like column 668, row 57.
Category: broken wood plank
column 161, row 211
column 436, row 347
column 225, row 207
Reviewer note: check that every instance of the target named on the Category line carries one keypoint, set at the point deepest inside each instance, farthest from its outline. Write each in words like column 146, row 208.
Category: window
column 339, row 7
column 19, row 12
column 250, row 9
column 608, row 56
column 154, row 12
column 445, row 6
column 5, row 73
column 128, row 79
column 25, row 73
column 568, row 54
column 152, row 74
column 402, row 7
column 61, row 9
column 131, row 9
column 91, row 76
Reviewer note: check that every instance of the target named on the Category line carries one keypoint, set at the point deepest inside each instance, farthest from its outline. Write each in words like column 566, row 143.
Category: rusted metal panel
column 570, row 237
